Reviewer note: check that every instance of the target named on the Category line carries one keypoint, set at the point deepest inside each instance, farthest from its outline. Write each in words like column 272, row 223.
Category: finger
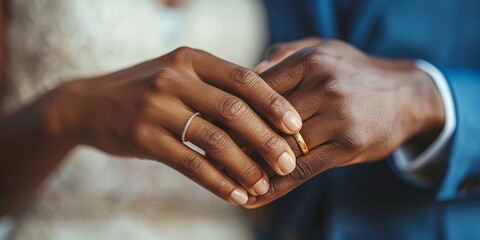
column 221, row 148
column 163, row 146
column 316, row 131
column 250, row 151
column 279, row 52
column 238, row 116
column 312, row 93
column 286, row 76
column 247, row 85
column 319, row 160
column 265, row 166
column 217, row 144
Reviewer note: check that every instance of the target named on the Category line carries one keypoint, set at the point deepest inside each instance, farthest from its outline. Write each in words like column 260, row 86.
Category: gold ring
column 301, row 143
column 187, row 125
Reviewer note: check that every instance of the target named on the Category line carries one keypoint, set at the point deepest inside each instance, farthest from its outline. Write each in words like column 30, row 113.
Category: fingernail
column 239, row 197
column 261, row 187
column 286, row 163
column 261, row 65
column 292, row 122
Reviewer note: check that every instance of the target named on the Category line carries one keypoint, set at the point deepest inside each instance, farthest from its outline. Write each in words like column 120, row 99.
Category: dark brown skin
column 355, row 108
column 141, row 111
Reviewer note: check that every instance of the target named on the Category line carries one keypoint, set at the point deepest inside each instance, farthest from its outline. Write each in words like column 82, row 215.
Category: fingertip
column 286, row 164
column 239, row 197
column 292, row 122
column 261, row 187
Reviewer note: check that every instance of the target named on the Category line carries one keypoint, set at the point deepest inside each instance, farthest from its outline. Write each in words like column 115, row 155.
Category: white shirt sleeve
column 406, row 159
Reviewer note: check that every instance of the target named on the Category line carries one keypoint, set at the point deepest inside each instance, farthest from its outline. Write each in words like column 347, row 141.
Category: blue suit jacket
column 370, row 201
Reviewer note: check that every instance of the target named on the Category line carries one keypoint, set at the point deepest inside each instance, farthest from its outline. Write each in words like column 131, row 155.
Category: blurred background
column 94, row 195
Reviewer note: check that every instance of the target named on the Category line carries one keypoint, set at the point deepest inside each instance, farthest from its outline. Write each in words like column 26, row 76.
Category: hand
column 356, row 108
column 142, row 112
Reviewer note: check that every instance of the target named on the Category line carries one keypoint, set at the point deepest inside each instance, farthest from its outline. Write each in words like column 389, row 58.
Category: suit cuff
column 413, row 163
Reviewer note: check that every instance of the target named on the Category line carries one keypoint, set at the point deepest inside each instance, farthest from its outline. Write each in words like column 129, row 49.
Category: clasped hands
column 349, row 107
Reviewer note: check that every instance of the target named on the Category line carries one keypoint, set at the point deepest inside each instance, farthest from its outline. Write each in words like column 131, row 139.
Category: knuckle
column 164, row 78
column 215, row 140
column 302, row 172
column 277, row 104
column 221, row 185
column 250, row 171
column 140, row 135
column 231, row 108
column 182, row 53
column 272, row 144
column 314, row 57
column 352, row 140
column 329, row 87
column 332, row 87
column 243, row 76
column 192, row 165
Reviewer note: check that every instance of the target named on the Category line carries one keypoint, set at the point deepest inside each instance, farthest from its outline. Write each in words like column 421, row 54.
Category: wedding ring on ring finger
column 301, row 143
column 187, row 125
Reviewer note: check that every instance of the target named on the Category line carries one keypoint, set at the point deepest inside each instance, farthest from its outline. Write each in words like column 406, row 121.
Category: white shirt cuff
column 407, row 162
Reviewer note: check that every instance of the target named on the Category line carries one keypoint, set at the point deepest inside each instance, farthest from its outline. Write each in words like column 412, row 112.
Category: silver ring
column 189, row 122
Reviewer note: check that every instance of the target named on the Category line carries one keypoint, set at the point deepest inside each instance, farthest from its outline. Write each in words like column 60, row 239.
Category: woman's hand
column 355, row 108
column 142, row 111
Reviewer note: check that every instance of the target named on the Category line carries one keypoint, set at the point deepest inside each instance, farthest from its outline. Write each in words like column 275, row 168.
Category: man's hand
column 355, row 108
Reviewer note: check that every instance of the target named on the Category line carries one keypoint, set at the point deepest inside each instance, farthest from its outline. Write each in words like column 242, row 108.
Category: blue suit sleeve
column 462, row 174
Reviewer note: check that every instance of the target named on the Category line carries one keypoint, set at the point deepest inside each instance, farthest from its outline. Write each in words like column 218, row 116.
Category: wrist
column 427, row 107
column 60, row 114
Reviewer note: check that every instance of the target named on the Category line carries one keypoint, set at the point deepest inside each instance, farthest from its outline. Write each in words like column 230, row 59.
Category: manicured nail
column 239, row 197
column 292, row 122
column 261, row 65
column 286, row 163
column 261, row 187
